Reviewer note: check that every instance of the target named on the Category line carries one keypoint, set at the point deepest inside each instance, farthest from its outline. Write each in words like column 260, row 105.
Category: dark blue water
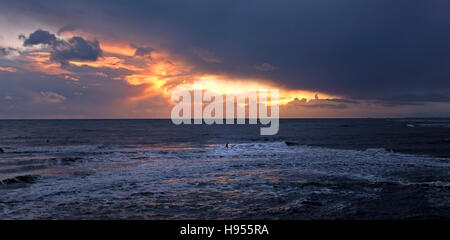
column 415, row 136
column 152, row 169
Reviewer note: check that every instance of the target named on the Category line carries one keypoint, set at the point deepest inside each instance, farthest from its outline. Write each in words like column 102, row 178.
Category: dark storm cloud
column 76, row 48
column 414, row 99
column 352, row 48
column 333, row 103
column 420, row 98
column 39, row 37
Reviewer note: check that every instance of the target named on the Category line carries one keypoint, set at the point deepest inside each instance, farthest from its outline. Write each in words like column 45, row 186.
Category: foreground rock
column 291, row 143
column 20, row 179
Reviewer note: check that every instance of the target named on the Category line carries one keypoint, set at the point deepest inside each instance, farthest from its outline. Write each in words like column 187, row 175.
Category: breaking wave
column 244, row 180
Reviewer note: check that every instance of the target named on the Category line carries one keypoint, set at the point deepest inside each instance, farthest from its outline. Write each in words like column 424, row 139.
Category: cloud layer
column 75, row 48
column 394, row 55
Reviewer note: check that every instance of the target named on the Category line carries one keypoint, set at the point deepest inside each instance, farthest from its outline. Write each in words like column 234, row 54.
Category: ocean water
column 152, row 169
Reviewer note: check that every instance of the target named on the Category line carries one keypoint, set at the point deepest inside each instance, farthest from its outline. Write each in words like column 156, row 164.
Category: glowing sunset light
column 153, row 81
column 8, row 69
column 120, row 49
column 160, row 72
column 40, row 62
column 222, row 84
column 107, row 62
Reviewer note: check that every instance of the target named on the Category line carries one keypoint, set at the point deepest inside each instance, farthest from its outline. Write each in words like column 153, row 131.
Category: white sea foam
column 181, row 181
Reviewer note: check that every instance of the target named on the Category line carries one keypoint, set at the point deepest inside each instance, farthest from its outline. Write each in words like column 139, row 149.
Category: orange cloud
column 224, row 84
column 107, row 62
column 163, row 72
column 139, row 79
column 166, row 72
column 40, row 62
column 8, row 69
column 119, row 49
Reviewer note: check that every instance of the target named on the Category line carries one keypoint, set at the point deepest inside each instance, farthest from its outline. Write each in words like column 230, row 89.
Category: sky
column 123, row 59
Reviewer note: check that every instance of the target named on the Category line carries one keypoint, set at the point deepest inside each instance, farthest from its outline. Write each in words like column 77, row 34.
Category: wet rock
column 291, row 143
column 20, row 179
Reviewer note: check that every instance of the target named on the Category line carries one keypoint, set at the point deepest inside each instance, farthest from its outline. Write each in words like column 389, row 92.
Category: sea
column 153, row 169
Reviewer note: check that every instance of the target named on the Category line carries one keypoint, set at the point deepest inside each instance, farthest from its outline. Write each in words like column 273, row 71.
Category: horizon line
column 288, row 118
